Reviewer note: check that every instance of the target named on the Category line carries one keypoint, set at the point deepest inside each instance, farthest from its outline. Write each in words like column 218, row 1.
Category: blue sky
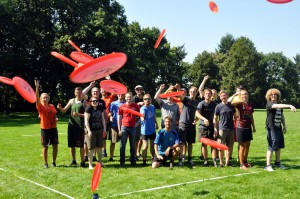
column 271, row 27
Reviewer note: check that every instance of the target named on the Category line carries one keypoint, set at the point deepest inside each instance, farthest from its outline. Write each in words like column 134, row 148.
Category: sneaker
column 171, row 165
column 94, row 159
column 46, row 166
column 91, row 168
column 73, row 163
column 82, row 164
column 228, row 164
column 269, row 168
column 243, row 167
column 86, row 159
column 110, row 160
column 201, row 157
column 53, row 164
column 205, row 164
column 101, row 163
column 247, row 164
column 191, row 163
column 221, row 165
column 122, row 164
column 104, row 153
column 133, row 163
column 279, row 165
column 180, row 163
column 215, row 163
column 144, row 163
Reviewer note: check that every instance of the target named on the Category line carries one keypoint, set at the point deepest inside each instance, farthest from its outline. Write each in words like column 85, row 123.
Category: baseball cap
column 138, row 86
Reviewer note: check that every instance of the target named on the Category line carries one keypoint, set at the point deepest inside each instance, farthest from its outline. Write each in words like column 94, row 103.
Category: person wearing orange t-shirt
column 49, row 134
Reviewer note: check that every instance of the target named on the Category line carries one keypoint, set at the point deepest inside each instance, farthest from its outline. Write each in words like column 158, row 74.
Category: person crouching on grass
column 94, row 120
column 275, row 124
column 166, row 145
column 49, row 134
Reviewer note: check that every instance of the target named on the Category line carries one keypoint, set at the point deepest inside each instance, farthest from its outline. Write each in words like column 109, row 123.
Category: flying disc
column 159, row 38
column 96, row 176
column 132, row 111
column 74, row 45
column 6, row 80
column 24, row 89
column 64, row 59
column 213, row 7
column 172, row 94
column 279, row 1
column 213, row 143
column 113, row 87
column 81, row 57
column 236, row 100
column 98, row 68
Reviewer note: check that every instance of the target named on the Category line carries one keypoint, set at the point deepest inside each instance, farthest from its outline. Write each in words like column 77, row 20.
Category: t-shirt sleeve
column 157, row 138
column 88, row 109
column 199, row 107
column 269, row 105
column 217, row 110
column 176, row 137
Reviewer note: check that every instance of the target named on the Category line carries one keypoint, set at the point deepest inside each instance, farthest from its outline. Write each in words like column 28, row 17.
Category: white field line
column 42, row 186
column 40, row 134
column 179, row 184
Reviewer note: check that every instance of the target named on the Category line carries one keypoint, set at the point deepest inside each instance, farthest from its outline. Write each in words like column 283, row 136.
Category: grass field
column 23, row 176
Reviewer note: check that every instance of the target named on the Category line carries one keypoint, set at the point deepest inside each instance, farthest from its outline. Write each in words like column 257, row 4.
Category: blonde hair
column 274, row 91
column 222, row 91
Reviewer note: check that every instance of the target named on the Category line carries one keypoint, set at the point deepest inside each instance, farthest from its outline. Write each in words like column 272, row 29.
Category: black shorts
column 138, row 132
column 146, row 137
column 49, row 136
column 187, row 133
column 75, row 136
column 164, row 161
column 275, row 139
column 206, row 133
column 243, row 135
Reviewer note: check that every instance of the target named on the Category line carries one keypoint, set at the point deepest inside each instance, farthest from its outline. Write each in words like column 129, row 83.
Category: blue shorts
column 275, row 139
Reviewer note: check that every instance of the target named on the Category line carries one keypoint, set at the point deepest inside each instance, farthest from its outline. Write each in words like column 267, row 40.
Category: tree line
column 30, row 30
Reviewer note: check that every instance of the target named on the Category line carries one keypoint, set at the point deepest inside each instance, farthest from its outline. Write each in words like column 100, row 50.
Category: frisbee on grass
column 213, row 6
column 159, row 38
column 96, row 176
column 172, row 94
column 24, row 89
column 98, row 68
column 64, row 59
column 213, row 143
column 280, row 1
column 74, row 45
column 113, row 87
column 6, row 80
column 81, row 57
column 132, row 111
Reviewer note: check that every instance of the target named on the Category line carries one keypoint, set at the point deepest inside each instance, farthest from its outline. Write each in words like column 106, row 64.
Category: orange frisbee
column 213, row 7
column 81, row 57
column 96, row 176
column 159, row 38
column 64, row 59
column 213, row 143
column 113, row 87
column 74, row 45
column 6, row 80
column 280, row 1
column 24, row 89
column 132, row 111
column 172, row 94
column 98, row 68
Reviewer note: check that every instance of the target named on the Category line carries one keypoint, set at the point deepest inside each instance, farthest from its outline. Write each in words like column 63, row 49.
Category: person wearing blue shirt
column 166, row 145
column 148, row 127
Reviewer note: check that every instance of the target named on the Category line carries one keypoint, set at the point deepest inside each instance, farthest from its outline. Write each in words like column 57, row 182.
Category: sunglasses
column 146, row 98
column 94, row 101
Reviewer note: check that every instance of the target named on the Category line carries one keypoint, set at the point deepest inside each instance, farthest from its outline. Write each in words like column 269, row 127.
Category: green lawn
column 23, row 176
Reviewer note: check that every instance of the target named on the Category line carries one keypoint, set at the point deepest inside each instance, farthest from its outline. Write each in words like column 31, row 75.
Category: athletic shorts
column 206, row 133
column 164, row 161
column 96, row 141
column 275, row 139
column 187, row 133
column 226, row 137
column 138, row 132
column 150, row 137
column 114, row 134
column 243, row 135
column 49, row 136
column 75, row 136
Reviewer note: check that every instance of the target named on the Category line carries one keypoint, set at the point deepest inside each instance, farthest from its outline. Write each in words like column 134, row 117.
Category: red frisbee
column 132, row 111
column 213, row 143
column 280, row 1
column 172, row 94
column 81, row 57
column 24, row 89
column 113, row 87
column 96, row 176
column 159, row 38
column 64, row 59
column 213, row 7
column 98, row 68
column 6, row 80
column 74, row 45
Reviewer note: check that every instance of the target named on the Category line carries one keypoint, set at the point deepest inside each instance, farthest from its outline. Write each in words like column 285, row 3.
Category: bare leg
column 73, row 153
column 145, row 149
column 45, row 154
column 54, row 152
column 269, row 157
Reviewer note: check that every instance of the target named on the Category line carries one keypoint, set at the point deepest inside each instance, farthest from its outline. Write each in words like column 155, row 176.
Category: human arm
column 156, row 152
column 120, row 124
column 201, row 87
column 174, row 146
column 253, row 124
column 216, row 123
column 282, row 106
column 283, row 124
column 38, row 102
column 86, row 90
column 104, row 123
column 156, row 96
column 201, row 117
column 87, row 124
column 66, row 108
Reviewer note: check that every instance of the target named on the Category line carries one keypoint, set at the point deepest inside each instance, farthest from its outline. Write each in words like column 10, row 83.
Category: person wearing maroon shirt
column 127, row 128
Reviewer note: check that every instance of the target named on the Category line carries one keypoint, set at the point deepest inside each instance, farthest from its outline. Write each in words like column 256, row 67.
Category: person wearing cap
column 138, row 99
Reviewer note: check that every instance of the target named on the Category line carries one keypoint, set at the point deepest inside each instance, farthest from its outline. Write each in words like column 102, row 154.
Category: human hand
column 206, row 77
column 104, row 134
column 162, row 86
column 293, row 109
column 160, row 157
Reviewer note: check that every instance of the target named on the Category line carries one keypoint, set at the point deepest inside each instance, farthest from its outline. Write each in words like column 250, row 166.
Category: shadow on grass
column 200, row 193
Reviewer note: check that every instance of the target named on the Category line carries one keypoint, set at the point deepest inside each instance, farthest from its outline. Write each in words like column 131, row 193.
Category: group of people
column 97, row 117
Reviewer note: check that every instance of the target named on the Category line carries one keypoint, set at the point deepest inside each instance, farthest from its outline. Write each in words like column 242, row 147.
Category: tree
column 225, row 44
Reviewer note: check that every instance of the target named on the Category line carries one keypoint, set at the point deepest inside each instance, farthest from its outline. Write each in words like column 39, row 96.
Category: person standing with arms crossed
column 49, row 134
